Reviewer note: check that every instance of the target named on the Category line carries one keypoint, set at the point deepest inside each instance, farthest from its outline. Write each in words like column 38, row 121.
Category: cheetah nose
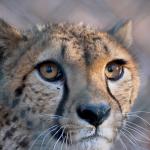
column 94, row 114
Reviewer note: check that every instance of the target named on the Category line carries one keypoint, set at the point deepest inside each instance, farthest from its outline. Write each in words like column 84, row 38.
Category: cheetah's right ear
column 9, row 39
column 123, row 33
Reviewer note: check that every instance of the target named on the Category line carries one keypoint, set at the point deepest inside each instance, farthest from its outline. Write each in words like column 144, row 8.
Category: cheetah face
column 75, row 85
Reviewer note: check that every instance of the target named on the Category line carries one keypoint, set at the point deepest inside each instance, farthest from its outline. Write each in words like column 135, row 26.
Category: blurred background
column 104, row 14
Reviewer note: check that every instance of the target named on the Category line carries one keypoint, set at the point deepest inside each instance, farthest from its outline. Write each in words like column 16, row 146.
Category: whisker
column 59, row 139
column 62, row 143
column 123, row 144
column 53, row 136
column 123, row 133
column 135, row 115
column 137, row 126
column 45, row 131
column 52, row 116
column 67, row 142
column 138, row 131
column 70, row 137
column 134, row 112
column 133, row 137
column 47, row 134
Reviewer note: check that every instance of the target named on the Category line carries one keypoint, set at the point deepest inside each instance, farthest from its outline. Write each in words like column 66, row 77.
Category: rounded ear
column 123, row 33
column 9, row 38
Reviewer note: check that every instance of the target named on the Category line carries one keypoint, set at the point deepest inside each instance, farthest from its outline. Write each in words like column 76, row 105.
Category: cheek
column 43, row 96
column 122, row 90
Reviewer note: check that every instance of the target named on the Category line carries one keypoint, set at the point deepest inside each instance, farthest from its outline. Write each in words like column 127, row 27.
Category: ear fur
column 123, row 33
column 9, row 38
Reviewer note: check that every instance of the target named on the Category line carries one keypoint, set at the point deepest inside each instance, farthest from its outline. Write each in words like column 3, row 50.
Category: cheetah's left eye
column 50, row 71
column 114, row 70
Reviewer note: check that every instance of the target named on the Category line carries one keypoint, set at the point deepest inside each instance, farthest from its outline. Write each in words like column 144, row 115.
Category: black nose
column 94, row 114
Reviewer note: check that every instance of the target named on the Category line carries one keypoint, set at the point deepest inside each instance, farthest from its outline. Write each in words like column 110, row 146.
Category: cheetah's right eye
column 50, row 71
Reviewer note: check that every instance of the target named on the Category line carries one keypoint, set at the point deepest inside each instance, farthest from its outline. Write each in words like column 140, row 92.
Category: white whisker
column 62, row 143
column 123, row 133
column 56, row 126
column 45, row 131
column 137, row 126
column 59, row 139
column 53, row 136
column 70, row 138
column 133, row 137
column 135, row 112
column 123, row 144
column 138, row 132
column 135, row 115
column 53, row 116
column 67, row 141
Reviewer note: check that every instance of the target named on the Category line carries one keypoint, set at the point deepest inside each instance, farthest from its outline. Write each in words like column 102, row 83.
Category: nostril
column 86, row 113
column 93, row 114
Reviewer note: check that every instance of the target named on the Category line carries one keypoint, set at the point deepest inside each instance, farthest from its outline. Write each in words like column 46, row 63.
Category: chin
column 90, row 143
column 95, row 143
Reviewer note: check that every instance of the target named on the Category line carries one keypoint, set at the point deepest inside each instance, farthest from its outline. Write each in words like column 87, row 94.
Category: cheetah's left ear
column 9, row 39
column 123, row 33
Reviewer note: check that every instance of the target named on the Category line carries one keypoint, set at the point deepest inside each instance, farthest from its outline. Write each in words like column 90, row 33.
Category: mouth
column 63, row 136
column 95, row 137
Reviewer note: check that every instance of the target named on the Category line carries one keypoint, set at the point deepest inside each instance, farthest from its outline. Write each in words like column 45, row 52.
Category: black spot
column 25, row 38
column 24, row 142
column 28, row 109
column 23, row 114
column 63, row 51
column 14, row 119
column 1, row 124
column 9, row 133
column 13, row 129
column 19, row 90
column 7, row 122
column 58, row 88
column 5, row 115
column 106, row 48
column 29, row 124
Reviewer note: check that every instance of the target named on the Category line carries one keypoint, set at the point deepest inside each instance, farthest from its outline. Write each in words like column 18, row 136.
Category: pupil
column 111, row 68
column 49, row 69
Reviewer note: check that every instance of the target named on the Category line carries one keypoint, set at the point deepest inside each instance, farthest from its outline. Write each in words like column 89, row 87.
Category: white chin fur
column 94, row 144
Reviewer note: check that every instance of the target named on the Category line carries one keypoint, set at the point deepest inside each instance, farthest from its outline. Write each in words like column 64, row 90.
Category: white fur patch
column 114, row 85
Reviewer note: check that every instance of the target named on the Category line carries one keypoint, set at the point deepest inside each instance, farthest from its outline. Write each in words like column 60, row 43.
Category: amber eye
column 50, row 71
column 114, row 71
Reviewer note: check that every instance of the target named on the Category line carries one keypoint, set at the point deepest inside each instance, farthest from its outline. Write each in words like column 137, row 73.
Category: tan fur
column 33, row 101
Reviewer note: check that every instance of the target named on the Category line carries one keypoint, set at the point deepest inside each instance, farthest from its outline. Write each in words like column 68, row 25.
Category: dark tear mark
column 113, row 96
column 60, row 108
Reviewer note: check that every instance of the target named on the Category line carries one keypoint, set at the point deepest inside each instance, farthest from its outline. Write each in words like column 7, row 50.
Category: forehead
column 76, row 44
